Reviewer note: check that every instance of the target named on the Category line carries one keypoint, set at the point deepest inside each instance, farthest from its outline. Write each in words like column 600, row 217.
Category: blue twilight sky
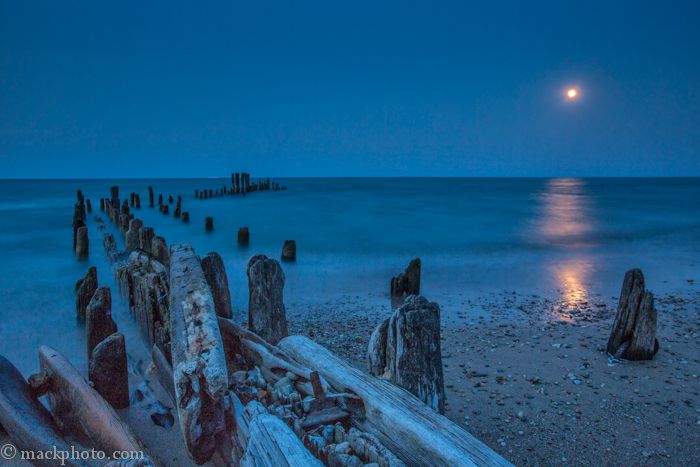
column 358, row 88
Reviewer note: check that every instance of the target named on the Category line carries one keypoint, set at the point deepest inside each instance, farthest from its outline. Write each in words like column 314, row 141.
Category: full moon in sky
column 571, row 93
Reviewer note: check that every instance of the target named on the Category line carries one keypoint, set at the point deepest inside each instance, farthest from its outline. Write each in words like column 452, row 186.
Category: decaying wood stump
column 82, row 245
column 289, row 250
column 266, row 314
column 215, row 273
column 160, row 251
column 150, row 196
column 110, row 248
column 86, row 288
column 209, row 223
column 98, row 316
column 633, row 335
column 131, row 238
column 146, row 235
column 199, row 364
column 405, row 349
column 108, row 371
column 408, row 282
column 243, row 235
column 185, row 217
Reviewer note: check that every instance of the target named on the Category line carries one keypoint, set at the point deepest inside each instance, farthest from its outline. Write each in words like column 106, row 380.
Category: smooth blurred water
column 573, row 237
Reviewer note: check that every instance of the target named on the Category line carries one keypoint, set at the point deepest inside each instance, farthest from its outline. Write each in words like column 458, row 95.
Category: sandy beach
column 536, row 386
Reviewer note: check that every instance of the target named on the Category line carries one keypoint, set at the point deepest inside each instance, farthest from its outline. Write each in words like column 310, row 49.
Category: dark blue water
column 570, row 237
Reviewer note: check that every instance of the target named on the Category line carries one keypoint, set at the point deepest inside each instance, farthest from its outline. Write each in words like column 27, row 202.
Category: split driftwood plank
column 404, row 424
column 199, row 364
column 271, row 443
column 27, row 422
column 70, row 393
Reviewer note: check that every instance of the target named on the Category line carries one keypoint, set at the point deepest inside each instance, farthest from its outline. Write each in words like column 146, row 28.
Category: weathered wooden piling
column 150, row 196
column 243, row 236
column 99, row 322
column 185, row 217
column 131, row 238
column 199, row 365
column 209, row 223
column 109, row 246
column 211, row 193
column 160, row 200
column 633, row 335
column 405, row 350
column 132, row 198
column 82, row 249
column 206, row 195
column 108, row 371
column 102, row 204
column 196, row 193
column 77, row 223
column 215, row 274
column 177, row 211
column 166, row 209
column 89, row 205
column 266, row 314
column 408, row 282
column 289, row 250
column 138, row 201
column 170, row 199
column 125, row 208
column 114, row 199
column 160, row 251
column 85, row 289
column 123, row 224
column 146, row 235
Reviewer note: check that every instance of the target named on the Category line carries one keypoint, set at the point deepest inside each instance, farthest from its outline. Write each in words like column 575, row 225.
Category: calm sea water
column 573, row 237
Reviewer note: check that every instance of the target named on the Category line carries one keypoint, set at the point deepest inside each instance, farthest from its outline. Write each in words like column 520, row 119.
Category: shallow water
column 567, row 237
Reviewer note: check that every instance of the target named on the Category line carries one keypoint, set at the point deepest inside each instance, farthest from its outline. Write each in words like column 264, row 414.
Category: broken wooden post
column 30, row 426
column 170, row 199
column 266, row 314
column 77, row 223
column 71, row 396
column 86, row 288
column 131, row 239
column 150, row 196
column 196, row 193
column 289, row 250
column 185, row 217
column 215, row 274
column 160, row 200
column 89, row 205
column 160, row 251
column 199, row 364
column 166, row 209
column 98, row 316
column 102, row 204
column 408, row 345
column 138, row 201
column 408, row 282
column 146, row 236
column 108, row 371
column 132, row 198
column 209, row 223
column 82, row 250
column 633, row 335
column 243, row 236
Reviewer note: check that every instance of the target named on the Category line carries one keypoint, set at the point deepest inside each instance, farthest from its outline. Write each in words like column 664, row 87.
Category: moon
column 571, row 93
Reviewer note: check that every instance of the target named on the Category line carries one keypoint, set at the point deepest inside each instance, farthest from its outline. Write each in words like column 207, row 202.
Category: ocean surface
column 568, row 237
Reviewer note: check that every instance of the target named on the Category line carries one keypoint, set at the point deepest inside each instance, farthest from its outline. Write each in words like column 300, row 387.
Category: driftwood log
column 401, row 421
column 633, row 335
column 266, row 314
column 29, row 425
column 72, row 397
column 271, row 443
column 405, row 350
column 199, row 364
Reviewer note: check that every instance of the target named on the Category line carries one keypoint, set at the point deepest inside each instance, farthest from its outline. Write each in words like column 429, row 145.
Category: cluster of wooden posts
column 240, row 184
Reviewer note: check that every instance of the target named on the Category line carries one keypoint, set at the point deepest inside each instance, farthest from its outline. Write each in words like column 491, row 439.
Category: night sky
column 168, row 89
